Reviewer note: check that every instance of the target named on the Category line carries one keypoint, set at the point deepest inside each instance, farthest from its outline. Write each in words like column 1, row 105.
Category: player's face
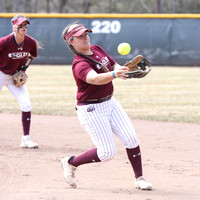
column 21, row 29
column 81, row 43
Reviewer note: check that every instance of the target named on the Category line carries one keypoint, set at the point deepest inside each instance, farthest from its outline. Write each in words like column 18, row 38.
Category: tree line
column 100, row 6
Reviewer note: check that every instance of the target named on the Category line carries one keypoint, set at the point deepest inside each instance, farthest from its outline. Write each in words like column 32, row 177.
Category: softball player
column 16, row 53
column 98, row 111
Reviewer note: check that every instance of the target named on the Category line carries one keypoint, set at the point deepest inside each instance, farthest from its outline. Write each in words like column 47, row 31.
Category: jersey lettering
column 105, row 61
column 17, row 55
column 98, row 66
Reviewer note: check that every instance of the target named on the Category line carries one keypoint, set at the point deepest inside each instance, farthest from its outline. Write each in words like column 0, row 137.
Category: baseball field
column 164, row 108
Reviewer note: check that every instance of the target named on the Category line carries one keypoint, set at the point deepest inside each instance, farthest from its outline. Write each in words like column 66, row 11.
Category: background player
column 98, row 111
column 16, row 53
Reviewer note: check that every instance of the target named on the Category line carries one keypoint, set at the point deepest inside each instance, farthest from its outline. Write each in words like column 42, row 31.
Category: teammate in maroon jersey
column 17, row 50
column 98, row 111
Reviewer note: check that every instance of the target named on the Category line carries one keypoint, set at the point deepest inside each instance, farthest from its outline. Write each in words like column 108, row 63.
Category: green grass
column 166, row 94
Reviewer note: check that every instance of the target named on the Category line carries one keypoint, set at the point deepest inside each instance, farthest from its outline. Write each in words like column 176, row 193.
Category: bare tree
column 175, row 6
column 86, row 6
column 1, row 5
column 48, row 6
column 62, row 5
column 8, row 6
column 28, row 6
column 110, row 6
column 35, row 6
column 159, row 6
column 103, row 6
column 16, row 3
column 145, row 6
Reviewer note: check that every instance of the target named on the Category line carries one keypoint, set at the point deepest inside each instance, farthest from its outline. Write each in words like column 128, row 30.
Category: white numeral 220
column 106, row 26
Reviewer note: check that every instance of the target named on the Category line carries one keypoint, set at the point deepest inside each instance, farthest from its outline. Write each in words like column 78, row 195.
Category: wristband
column 114, row 75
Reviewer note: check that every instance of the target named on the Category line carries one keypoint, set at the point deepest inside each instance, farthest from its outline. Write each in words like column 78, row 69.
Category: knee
column 107, row 155
column 132, row 142
column 25, row 107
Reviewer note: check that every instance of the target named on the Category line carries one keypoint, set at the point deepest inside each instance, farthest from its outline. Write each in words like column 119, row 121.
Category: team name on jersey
column 17, row 55
column 104, row 61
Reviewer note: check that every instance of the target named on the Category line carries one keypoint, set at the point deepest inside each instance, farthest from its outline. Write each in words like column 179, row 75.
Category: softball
column 124, row 48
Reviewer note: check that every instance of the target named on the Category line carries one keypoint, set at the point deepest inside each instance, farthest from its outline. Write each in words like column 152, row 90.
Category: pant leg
column 21, row 95
column 3, row 79
column 124, row 129
column 95, row 119
column 122, row 126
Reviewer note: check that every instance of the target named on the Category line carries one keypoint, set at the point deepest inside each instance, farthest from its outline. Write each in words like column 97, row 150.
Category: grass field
column 166, row 94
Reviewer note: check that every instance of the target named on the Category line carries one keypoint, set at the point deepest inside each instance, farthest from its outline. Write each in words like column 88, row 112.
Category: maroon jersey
column 81, row 66
column 13, row 56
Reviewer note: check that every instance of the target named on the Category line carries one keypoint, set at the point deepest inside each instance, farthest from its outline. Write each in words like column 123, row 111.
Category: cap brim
column 81, row 31
column 21, row 21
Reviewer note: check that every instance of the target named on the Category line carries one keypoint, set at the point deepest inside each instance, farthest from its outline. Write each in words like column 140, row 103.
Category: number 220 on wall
column 106, row 26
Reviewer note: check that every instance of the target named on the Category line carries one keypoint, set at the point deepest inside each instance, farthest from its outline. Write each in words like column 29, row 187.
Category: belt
column 99, row 100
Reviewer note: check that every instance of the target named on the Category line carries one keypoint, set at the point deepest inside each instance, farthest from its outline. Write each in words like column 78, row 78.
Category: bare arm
column 116, row 66
column 103, row 78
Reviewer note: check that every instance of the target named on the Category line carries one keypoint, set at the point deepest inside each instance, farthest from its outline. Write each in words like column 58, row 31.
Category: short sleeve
column 33, row 51
column 81, row 70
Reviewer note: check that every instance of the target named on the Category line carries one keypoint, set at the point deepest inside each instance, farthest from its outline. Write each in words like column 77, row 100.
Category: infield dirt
column 170, row 152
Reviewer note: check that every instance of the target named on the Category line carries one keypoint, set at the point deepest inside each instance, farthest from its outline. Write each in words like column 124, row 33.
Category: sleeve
column 33, row 51
column 81, row 69
column 2, row 46
column 2, row 42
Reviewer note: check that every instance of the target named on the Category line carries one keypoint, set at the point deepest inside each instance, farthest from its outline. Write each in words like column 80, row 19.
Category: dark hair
column 66, row 29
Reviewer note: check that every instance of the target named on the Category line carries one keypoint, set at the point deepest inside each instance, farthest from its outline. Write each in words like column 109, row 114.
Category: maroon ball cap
column 77, row 31
column 19, row 20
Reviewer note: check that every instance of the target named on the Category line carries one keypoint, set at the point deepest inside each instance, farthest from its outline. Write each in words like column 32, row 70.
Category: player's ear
column 14, row 28
column 70, row 41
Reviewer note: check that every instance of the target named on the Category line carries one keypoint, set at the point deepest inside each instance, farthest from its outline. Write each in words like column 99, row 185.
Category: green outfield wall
column 166, row 39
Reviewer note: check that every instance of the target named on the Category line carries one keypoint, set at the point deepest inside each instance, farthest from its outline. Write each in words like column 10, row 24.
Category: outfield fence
column 166, row 39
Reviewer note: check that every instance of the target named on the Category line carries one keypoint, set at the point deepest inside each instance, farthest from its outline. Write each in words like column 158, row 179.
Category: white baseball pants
column 20, row 93
column 101, row 120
